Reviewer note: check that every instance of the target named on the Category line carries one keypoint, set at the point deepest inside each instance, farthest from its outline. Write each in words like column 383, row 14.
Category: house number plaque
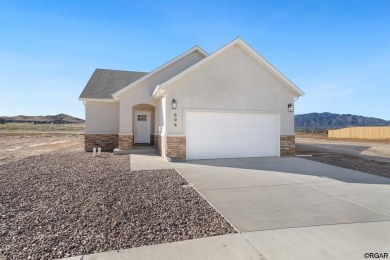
column 175, row 119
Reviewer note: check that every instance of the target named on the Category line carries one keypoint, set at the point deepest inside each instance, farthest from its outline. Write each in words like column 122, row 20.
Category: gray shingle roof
column 104, row 82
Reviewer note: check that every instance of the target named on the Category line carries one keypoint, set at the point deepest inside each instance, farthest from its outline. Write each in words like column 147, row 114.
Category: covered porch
column 142, row 123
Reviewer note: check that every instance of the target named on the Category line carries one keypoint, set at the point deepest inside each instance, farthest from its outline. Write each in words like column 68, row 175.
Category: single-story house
column 229, row 104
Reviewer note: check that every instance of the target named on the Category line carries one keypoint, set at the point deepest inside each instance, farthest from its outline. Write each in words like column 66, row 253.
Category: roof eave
column 158, row 92
column 297, row 91
column 195, row 48
column 98, row 99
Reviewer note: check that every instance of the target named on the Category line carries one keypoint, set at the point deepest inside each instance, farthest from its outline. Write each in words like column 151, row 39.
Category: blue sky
column 337, row 52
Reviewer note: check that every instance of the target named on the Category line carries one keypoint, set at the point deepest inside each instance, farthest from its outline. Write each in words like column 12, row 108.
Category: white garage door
column 231, row 135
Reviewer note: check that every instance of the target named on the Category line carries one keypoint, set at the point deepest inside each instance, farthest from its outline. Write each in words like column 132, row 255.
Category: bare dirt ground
column 18, row 146
column 366, row 156
column 21, row 140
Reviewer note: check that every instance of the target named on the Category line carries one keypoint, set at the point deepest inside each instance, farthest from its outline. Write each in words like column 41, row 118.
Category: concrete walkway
column 147, row 158
column 232, row 246
column 292, row 208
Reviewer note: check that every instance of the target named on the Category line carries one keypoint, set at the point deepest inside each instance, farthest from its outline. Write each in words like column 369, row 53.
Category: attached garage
column 231, row 104
column 212, row 135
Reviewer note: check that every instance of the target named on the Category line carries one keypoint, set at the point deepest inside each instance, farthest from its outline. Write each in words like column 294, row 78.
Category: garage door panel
column 248, row 142
column 231, row 130
column 211, row 152
column 228, row 135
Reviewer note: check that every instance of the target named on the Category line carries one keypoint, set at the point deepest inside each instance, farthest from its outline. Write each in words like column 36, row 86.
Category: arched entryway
column 143, row 124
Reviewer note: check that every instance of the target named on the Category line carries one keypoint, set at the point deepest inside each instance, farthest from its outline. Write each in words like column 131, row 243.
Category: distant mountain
column 332, row 121
column 56, row 119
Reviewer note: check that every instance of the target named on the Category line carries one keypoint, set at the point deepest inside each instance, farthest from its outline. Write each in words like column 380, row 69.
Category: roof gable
column 118, row 93
column 104, row 82
column 161, row 89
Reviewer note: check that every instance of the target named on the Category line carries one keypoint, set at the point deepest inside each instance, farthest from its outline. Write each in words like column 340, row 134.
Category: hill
column 56, row 119
column 326, row 121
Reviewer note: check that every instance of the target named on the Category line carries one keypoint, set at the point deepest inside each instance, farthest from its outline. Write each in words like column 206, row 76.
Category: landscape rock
column 70, row 203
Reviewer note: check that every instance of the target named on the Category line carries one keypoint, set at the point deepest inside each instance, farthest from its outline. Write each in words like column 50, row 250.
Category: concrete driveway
column 292, row 208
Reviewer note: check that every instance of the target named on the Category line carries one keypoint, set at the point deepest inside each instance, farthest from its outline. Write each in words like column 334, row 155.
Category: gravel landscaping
column 68, row 204
column 345, row 160
column 354, row 163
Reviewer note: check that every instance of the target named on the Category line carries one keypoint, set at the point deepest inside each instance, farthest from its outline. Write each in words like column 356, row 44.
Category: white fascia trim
column 97, row 100
column 155, row 91
column 274, row 70
column 196, row 48
column 198, row 64
column 158, row 92
column 297, row 91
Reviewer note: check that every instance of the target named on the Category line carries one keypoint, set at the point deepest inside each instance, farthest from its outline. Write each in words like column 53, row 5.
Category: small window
column 141, row 117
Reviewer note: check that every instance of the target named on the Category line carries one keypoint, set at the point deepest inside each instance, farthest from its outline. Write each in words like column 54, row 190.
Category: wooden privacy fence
column 369, row 132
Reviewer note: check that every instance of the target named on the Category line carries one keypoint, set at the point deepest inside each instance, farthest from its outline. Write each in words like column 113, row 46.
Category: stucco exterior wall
column 232, row 81
column 142, row 93
column 101, row 117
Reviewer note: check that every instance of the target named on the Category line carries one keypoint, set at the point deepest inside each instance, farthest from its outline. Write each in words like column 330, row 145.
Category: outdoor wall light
column 290, row 107
column 174, row 104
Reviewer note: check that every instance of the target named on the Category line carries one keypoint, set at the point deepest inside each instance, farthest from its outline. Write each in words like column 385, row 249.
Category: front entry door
column 142, row 127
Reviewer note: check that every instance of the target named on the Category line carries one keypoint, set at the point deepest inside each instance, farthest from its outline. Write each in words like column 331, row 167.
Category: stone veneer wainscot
column 176, row 147
column 108, row 142
column 126, row 142
column 173, row 147
column 287, row 145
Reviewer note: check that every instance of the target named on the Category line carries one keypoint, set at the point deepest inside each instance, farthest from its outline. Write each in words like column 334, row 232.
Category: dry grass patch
column 19, row 128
